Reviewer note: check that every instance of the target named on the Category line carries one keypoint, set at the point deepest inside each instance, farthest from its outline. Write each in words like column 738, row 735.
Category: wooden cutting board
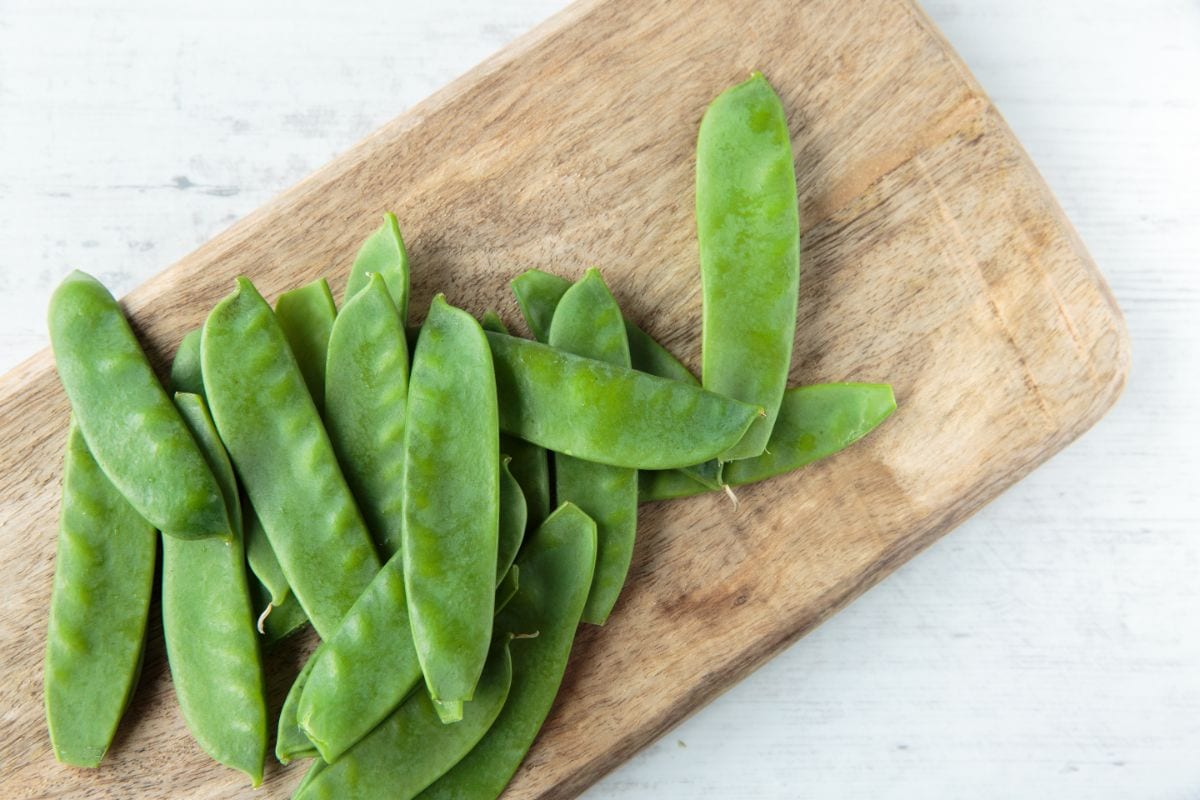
column 935, row 258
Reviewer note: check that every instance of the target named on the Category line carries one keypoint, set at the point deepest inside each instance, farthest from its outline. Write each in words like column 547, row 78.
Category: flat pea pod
column 132, row 428
column 103, row 579
column 530, row 464
column 412, row 748
column 185, row 368
column 283, row 620
column 262, row 559
column 609, row 414
column 588, row 323
column 814, row 422
column 514, row 516
column 370, row 664
column 306, row 316
column 383, row 253
column 538, row 294
column 290, row 741
column 208, row 625
column 274, row 435
column 556, row 576
column 366, row 391
column 748, row 227
column 451, row 503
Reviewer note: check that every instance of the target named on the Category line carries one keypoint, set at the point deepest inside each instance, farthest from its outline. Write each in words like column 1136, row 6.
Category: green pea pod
column 208, row 624
column 556, row 576
column 508, row 587
column 538, row 294
column 370, row 664
column 748, row 226
column 412, row 748
column 283, row 620
column 514, row 516
column 365, row 396
column 814, row 422
column 306, row 316
column 103, row 579
column 132, row 428
column 290, row 741
column 262, row 559
column 530, row 464
column 185, row 369
column 451, row 503
column 283, row 456
column 383, row 253
column 588, row 323
column 608, row 414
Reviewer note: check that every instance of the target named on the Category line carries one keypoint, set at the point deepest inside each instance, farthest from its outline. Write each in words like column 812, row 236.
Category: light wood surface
column 935, row 259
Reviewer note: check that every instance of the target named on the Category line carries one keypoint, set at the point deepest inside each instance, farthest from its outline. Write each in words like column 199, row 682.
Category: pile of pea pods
column 444, row 521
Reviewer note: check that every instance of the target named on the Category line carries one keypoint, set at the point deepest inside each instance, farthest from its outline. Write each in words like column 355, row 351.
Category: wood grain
column 935, row 259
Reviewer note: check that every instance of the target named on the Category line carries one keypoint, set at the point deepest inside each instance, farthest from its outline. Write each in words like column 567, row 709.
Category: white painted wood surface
column 1048, row 648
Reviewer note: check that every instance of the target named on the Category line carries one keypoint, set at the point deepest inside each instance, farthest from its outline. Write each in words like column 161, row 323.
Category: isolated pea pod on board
column 208, row 625
column 412, row 748
column 588, row 323
column 609, row 414
column 748, row 228
column 103, row 579
column 814, row 422
column 275, row 438
column 366, row 391
column 132, row 428
column 451, row 503
column 555, row 581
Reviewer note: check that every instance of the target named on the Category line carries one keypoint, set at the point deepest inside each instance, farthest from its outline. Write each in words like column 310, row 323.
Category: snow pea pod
column 284, row 619
column 508, row 587
column 556, row 576
column 588, row 323
column 748, row 226
column 814, row 422
column 290, row 741
column 208, row 624
column 283, row 456
column 412, row 748
column 132, row 428
column 383, row 253
column 103, row 579
column 185, row 368
column 609, row 414
column 306, row 317
column 451, row 503
column 530, row 464
column 366, row 390
column 514, row 516
column 538, row 294
column 262, row 559
column 370, row 664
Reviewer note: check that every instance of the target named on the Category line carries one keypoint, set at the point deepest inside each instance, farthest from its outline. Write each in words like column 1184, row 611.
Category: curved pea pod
column 306, row 316
column 185, row 368
column 451, row 503
column 556, row 576
column 609, row 414
column 274, row 435
column 588, row 323
column 290, row 741
column 370, row 664
column 814, row 422
column 103, row 578
column 132, row 429
column 208, row 624
column 262, row 559
column 514, row 516
column 412, row 748
column 383, row 253
column 366, row 391
column 538, row 294
column 748, row 226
